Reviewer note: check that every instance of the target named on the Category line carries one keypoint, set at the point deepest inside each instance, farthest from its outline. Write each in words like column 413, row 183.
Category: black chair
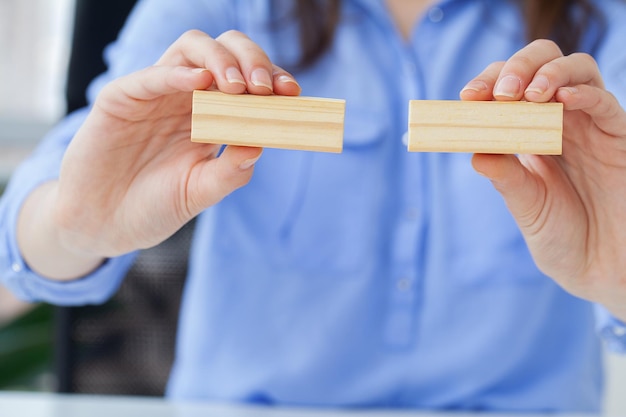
column 125, row 346
column 96, row 24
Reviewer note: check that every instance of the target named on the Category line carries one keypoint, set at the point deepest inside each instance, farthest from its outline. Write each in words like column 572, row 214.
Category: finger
column 599, row 104
column 262, row 77
column 481, row 87
column 197, row 49
column 285, row 83
column 519, row 70
column 569, row 70
column 153, row 82
column 255, row 65
column 214, row 179
column 122, row 95
column 518, row 187
column 222, row 57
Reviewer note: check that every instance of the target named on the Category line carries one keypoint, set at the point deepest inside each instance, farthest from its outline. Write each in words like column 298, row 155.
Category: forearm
column 40, row 242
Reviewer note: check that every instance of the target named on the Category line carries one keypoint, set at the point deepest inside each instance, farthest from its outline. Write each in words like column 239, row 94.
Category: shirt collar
column 379, row 8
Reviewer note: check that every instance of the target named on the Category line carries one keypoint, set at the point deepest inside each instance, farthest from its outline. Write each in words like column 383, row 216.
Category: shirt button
column 403, row 284
column 435, row 14
column 410, row 68
column 405, row 139
column 619, row 331
column 16, row 267
column 411, row 214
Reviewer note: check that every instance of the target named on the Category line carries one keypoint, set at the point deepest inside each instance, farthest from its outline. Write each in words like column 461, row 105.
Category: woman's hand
column 131, row 177
column 570, row 208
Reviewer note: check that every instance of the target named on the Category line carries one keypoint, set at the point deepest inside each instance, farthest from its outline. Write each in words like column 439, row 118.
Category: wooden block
column 303, row 123
column 485, row 126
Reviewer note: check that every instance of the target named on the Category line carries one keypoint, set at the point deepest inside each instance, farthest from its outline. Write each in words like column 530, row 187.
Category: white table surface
column 21, row 404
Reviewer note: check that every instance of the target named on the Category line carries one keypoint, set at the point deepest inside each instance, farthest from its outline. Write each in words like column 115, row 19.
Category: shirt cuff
column 95, row 288
column 611, row 330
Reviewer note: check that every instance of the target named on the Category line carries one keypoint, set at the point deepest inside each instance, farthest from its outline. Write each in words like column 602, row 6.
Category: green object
column 26, row 349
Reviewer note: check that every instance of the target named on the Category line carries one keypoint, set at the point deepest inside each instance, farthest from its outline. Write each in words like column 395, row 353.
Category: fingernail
column 539, row 85
column 475, row 85
column 508, row 86
column 571, row 90
column 287, row 79
column 233, row 76
column 249, row 163
column 261, row 78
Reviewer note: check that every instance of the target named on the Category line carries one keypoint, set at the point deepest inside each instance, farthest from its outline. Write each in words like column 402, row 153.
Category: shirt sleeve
column 612, row 62
column 611, row 56
column 154, row 25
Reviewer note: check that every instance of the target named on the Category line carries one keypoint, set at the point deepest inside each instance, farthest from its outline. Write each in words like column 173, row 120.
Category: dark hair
column 563, row 21
column 317, row 20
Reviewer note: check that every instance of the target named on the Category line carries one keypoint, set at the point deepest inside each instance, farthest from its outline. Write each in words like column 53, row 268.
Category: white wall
column 34, row 48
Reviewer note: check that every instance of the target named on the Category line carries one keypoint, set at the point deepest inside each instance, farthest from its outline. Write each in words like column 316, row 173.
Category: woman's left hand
column 570, row 208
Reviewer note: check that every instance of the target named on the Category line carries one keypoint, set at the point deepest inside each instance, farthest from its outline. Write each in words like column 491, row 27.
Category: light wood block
column 511, row 127
column 302, row 123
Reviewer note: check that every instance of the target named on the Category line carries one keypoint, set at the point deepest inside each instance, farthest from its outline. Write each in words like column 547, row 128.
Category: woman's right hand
column 131, row 176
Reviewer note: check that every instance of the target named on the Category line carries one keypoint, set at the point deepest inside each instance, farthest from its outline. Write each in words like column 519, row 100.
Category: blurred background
column 36, row 39
column 34, row 48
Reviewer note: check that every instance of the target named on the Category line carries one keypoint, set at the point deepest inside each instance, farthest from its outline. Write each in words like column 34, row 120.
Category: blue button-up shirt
column 371, row 278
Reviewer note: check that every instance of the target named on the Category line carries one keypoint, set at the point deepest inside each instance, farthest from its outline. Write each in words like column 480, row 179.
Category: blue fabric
column 371, row 278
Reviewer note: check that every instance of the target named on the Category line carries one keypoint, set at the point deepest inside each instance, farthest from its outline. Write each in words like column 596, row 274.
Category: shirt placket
column 407, row 239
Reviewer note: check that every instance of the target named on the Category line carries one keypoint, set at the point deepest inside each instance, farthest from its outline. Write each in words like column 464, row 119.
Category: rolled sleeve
column 42, row 166
column 92, row 289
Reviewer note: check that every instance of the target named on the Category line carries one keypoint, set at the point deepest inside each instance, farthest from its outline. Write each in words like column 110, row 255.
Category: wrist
column 45, row 246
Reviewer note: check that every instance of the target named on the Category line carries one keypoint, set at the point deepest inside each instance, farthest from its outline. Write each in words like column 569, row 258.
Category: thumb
column 523, row 193
column 213, row 179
